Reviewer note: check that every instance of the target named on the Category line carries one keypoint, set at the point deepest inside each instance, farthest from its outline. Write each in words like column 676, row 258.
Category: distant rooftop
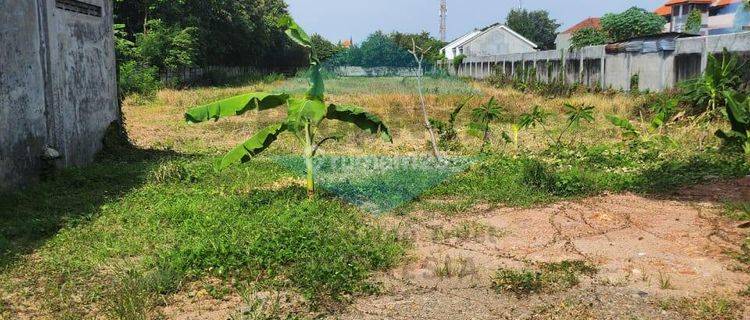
column 590, row 22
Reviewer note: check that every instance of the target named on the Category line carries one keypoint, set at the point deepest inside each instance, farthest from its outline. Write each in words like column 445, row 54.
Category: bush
column 589, row 37
column 458, row 60
column 631, row 23
column 134, row 78
column 570, row 182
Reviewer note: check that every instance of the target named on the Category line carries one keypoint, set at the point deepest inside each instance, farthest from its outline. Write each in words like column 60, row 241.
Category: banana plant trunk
column 309, row 161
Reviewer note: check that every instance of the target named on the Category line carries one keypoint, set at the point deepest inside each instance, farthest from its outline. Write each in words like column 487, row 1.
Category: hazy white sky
column 341, row 19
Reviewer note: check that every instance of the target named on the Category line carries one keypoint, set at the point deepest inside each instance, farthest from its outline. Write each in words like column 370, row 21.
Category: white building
column 493, row 40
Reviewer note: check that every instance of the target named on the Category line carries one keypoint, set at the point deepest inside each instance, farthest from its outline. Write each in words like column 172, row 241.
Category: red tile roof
column 588, row 23
column 664, row 11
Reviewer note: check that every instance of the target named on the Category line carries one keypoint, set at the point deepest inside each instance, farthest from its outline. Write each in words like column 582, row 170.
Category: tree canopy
column 634, row 22
column 536, row 26
column 388, row 50
column 176, row 33
column 588, row 37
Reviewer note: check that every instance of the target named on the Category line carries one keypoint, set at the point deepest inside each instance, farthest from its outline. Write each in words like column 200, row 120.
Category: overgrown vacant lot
column 595, row 227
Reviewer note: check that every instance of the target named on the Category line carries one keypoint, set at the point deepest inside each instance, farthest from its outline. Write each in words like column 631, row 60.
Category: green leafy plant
column 482, row 117
column 722, row 77
column 536, row 117
column 576, row 115
column 446, row 131
column 635, row 83
column 631, row 23
column 738, row 112
column 694, row 22
column 458, row 60
column 630, row 132
column 588, row 37
column 664, row 109
column 304, row 115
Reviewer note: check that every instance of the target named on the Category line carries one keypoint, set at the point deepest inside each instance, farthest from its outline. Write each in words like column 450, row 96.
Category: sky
column 343, row 19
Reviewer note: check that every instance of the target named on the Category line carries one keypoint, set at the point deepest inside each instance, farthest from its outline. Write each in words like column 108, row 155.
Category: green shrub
column 635, row 83
column 721, row 79
column 589, row 37
column 694, row 22
column 458, row 60
column 570, row 182
column 134, row 78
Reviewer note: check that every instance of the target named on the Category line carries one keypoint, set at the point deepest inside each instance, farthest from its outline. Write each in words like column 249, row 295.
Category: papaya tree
column 304, row 115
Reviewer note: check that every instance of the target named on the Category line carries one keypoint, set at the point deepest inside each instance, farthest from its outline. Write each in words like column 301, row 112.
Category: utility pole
column 443, row 18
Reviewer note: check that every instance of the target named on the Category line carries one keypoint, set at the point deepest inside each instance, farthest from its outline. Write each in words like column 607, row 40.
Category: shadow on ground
column 70, row 197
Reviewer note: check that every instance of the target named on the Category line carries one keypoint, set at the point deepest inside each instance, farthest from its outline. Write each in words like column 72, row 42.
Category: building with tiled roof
column 718, row 16
column 563, row 38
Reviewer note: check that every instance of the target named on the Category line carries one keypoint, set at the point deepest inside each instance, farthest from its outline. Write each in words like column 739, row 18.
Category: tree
column 423, row 40
column 323, row 47
column 536, row 26
column 380, row 51
column 634, row 22
column 694, row 22
column 589, row 37
column 167, row 48
column 251, row 27
column 304, row 115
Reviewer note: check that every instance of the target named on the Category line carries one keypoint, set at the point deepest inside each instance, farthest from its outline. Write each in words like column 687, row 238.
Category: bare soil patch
column 647, row 251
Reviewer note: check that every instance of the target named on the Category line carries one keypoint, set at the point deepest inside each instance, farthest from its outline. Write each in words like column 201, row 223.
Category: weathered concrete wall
column 58, row 84
column 23, row 127
column 593, row 67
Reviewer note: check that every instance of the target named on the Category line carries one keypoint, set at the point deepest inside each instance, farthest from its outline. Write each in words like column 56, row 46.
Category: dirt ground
column 647, row 251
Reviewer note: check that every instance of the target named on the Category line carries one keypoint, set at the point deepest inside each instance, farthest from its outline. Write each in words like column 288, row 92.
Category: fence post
column 602, row 67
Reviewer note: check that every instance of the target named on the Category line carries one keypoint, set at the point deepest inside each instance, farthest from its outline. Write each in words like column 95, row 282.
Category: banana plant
column 738, row 112
column 304, row 117
column 482, row 117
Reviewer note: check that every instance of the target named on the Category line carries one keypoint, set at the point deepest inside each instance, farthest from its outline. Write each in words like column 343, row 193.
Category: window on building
column 79, row 7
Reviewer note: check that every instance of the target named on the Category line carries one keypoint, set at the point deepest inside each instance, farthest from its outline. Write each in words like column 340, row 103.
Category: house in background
column 493, row 40
column 563, row 40
column 718, row 16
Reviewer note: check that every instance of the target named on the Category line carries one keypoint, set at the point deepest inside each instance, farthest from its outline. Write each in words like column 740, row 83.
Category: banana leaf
column 305, row 110
column 235, row 106
column 362, row 119
column 252, row 147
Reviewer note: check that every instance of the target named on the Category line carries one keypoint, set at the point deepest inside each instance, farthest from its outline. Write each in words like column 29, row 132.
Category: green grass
column 378, row 184
column 739, row 211
column 547, row 277
column 532, row 179
column 381, row 85
column 714, row 308
column 162, row 219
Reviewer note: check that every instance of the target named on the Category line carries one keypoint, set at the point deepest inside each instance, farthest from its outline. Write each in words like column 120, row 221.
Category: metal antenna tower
column 443, row 18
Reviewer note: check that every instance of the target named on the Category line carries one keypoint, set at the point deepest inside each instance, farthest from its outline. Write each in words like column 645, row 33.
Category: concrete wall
column 354, row 71
column 58, row 85
column 592, row 66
